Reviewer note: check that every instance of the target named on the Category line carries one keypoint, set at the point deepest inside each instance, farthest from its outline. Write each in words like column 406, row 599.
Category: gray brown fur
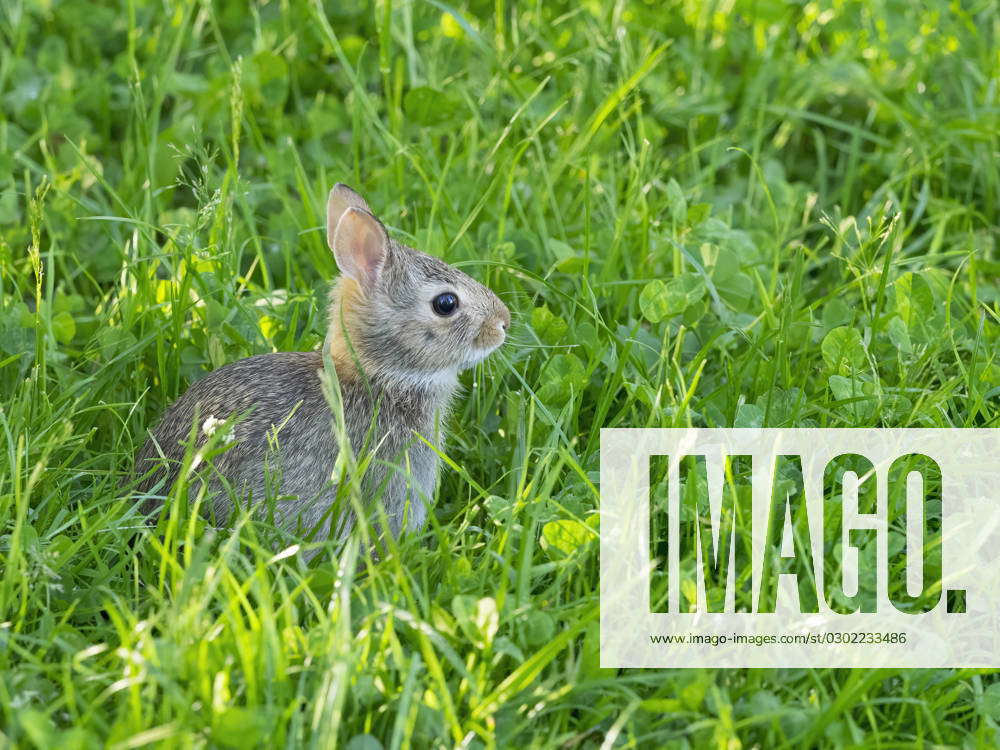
column 396, row 363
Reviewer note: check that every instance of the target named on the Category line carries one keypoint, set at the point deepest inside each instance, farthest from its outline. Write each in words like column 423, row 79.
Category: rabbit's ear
column 360, row 245
column 341, row 198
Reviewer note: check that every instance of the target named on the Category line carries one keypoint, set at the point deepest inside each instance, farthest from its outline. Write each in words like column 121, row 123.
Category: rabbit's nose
column 504, row 316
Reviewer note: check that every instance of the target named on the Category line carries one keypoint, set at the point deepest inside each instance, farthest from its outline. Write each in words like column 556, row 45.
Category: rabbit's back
column 283, row 440
column 285, row 447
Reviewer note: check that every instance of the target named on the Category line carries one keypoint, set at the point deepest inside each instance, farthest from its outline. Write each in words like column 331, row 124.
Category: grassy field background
column 719, row 213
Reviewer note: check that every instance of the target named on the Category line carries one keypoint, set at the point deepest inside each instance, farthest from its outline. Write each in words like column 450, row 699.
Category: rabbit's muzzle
column 494, row 329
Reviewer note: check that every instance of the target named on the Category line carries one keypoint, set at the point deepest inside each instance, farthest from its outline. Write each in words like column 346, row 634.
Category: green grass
column 729, row 213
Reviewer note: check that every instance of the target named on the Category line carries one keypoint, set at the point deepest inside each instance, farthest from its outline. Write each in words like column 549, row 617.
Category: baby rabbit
column 402, row 325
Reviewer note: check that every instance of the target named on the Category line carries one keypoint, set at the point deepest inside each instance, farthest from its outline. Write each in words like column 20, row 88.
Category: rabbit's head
column 402, row 315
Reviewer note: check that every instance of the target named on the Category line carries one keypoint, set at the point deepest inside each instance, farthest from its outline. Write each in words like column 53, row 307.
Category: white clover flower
column 210, row 425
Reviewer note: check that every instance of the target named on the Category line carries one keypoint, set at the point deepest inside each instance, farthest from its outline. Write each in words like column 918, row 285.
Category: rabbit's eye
column 445, row 304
